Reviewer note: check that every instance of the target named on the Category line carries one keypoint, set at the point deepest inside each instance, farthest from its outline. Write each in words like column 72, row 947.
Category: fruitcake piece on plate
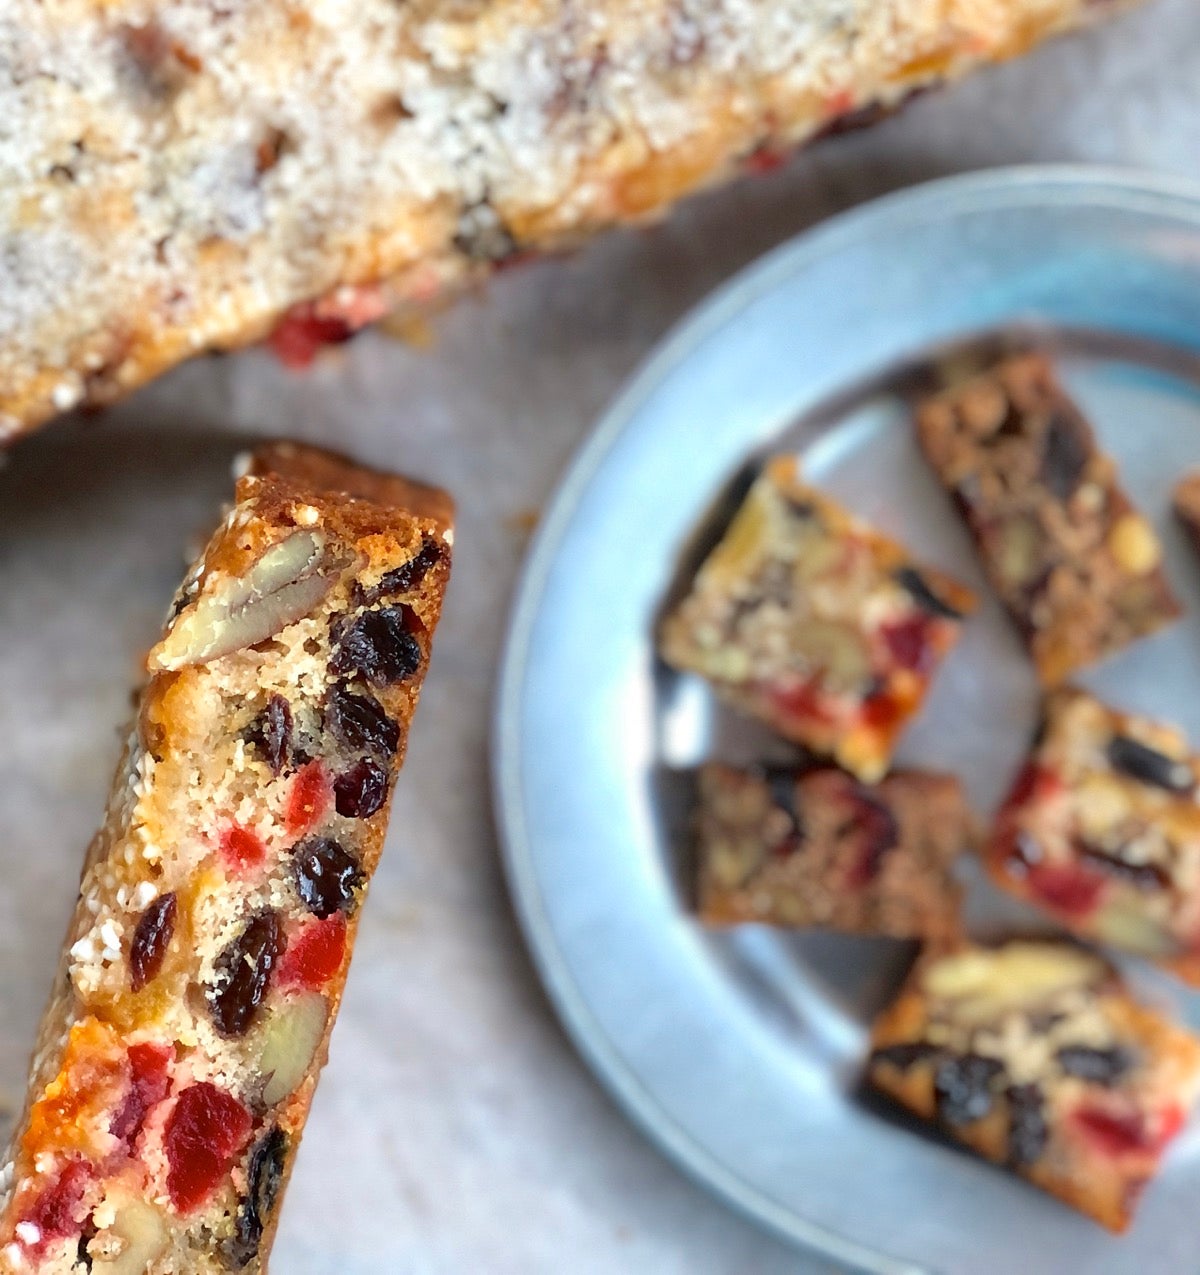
column 1102, row 829
column 219, row 902
column 1185, row 500
column 1033, row 1054
column 1075, row 564
column 813, row 621
column 818, row 848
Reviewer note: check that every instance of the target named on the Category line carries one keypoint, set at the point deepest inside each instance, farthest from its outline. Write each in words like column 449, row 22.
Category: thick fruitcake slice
column 218, row 907
column 1102, row 830
column 1078, row 568
column 818, row 848
column 1033, row 1055
column 811, row 620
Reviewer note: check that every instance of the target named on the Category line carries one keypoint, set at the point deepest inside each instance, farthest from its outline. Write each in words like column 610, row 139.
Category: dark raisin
column 151, row 937
column 243, row 973
column 359, row 722
column 963, row 1087
column 327, row 876
column 877, row 832
column 1028, row 1132
column 781, row 783
column 406, row 578
column 271, row 730
column 1144, row 876
column 1064, row 456
column 381, row 645
column 906, row 1054
column 360, row 791
column 911, row 580
column 1140, row 761
column 1100, row 1066
column 264, row 1175
column 83, row 1259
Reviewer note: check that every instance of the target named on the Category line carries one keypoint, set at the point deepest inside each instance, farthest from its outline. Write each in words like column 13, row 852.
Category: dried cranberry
column 302, row 332
column 359, row 721
column 1149, row 766
column 1028, row 1132
column 1033, row 783
column 381, row 645
column 243, row 972
column 915, row 584
column 308, row 798
column 801, row 702
column 148, row 1085
column 207, row 1127
column 315, row 954
column 241, row 848
column 327, row 876
column 1066, row 888
column 1116, row 1133
column 908, row 643
column 56, row 1212
column 264, row 1175
column 1100, row 1066
column 1065, row 456
column 875, row 832
column 406, row 578
column 151, row 938
column 905, row 1054
column 272, row 732
column 963, row 1087
column 360, row 791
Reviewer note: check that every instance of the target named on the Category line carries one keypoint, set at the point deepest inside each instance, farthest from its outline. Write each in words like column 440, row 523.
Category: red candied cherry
column 314, row 954
column 148, row 1085
column 56, row 1212
column 1118, row 1133
column 800, row 701
column 206, row 1128
column 908, row 643
column 241, row 848
column 1067, row 888
column 883, row 712
column 308, row 799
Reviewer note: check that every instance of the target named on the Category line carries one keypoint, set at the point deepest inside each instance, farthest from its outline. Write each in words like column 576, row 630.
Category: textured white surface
column 456, row 1131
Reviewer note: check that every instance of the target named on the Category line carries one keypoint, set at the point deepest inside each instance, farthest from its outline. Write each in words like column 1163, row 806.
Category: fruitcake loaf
column 185, row 175
column 1077, row 566
column 1034, row 1055
column 815, row 847
column 1102, row 830
column 219, row 902
column 816, row 623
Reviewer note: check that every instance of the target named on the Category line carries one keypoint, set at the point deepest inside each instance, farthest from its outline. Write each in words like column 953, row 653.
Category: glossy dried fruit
column 905, row 1054
column 380, row 645
column 314, row 954
column 360, row 791
column 148, row 1085
column 327, row 876
column 876, row 831
column 1064, row 456
column 151, row 938
column 908, row 643
column 914, row 583
column 406, row 578
column 963, row 1086
column 359, row 721
column 264, row 1175
column 1139, row 761
column 243, row 973
column 308, row 798
column 1028, row 1131
column 271, row 730
column 207, row 1127
column 1100, row 1066
column 242, row 848
column 57, row 1211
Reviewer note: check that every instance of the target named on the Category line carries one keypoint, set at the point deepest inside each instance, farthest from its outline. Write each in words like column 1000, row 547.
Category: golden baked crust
column 219, row 903
column 182, row 173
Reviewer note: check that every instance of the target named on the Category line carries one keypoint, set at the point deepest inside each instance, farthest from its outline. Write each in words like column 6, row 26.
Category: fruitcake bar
column 1077, row 567
column 813, row 621
column 187, row 175
column 1185, row 500
column 1033, row 1055
column 219, row 903
column 1102, row 830
column 818, row 848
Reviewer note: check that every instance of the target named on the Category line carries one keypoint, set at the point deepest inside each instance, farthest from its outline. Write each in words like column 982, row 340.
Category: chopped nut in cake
column 1033, row 1054
column 1077, row 566
column 1102, row 830
column 819, row 848
column 219, row 902
column 813, row 621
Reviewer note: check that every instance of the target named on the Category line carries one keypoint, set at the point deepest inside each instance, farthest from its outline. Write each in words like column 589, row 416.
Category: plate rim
column 1126, row 187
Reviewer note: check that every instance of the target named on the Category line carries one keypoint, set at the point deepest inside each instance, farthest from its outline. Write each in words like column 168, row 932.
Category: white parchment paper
column 455, row 1130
